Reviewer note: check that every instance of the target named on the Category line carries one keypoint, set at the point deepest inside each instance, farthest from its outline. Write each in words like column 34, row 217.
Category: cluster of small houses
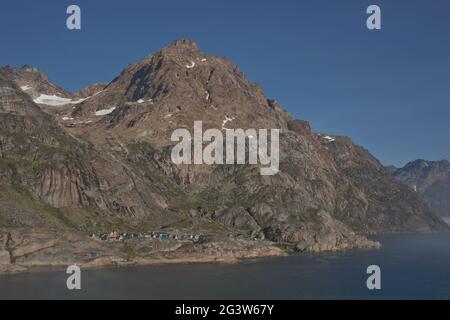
column 161, row 235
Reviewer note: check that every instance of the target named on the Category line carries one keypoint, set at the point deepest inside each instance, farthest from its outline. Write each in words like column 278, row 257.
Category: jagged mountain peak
column 35, row 82
column 175, row 87
column 28, row 68
column 25, row 73
column 421, row 164
column 182, row 46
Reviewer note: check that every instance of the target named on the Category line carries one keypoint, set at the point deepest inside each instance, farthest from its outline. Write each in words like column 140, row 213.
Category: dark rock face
column 431, row 180
column 300, row 126
column 237, row 218
column 80, row 169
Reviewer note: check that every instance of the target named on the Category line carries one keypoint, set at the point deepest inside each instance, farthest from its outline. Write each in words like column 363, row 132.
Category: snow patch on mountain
column 326, row 138
column 54, row 100
column 190, row 66
column 104, row 112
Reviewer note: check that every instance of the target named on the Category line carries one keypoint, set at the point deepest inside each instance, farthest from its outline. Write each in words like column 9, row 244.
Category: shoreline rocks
column 224, row 251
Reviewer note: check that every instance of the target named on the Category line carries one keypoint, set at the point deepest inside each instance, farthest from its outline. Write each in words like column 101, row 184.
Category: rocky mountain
column 431, row 180
column 34, row 82
column 91, row 90
column 100, row 160
column 42, row 169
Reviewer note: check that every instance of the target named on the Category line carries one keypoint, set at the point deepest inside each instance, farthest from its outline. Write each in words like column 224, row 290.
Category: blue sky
column 389, row 89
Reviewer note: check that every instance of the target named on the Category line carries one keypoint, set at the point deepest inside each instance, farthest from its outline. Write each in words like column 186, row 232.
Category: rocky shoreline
column 71, row 249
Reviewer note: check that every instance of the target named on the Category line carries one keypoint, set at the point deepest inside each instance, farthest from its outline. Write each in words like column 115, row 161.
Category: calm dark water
column 412, row 267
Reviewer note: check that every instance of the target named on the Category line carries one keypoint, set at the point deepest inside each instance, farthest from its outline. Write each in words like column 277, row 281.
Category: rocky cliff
column 101, row 160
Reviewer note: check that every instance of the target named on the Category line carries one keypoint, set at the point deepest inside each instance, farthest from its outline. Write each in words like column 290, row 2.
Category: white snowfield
column 140, row 101
column 25, row 88
column 104, row 112
column 55, row 100
column 330, row 139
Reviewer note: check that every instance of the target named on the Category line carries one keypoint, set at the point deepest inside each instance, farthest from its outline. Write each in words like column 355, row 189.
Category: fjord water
column 412, row 267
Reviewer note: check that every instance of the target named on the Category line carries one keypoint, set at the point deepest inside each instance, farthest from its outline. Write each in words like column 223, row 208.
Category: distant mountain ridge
column 431, row 180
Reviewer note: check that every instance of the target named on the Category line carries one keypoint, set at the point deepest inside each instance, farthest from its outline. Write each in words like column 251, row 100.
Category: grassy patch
column 60, row 216
column 128, row 249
